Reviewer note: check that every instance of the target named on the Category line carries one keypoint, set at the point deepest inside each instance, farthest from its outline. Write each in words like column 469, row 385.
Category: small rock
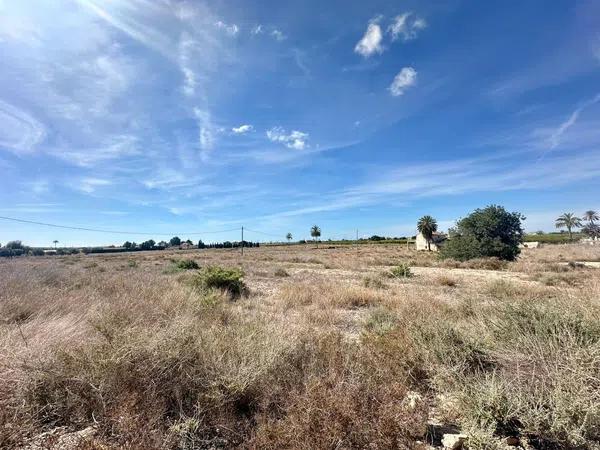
column 453, row 441
column 513, row 441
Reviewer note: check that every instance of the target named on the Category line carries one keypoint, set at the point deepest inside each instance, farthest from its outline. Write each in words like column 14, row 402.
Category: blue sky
column 173, row 117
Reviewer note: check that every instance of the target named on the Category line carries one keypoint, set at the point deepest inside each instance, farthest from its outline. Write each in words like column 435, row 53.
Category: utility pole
column 356, row 242
column 242, row 241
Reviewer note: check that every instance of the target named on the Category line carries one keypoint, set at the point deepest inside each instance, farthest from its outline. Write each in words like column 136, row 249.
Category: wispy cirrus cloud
column 89, row 185
column 456, row 177
column 19, row 131
column 114, row 148
column 555, row 135
column 230, row 29
column 406, row 27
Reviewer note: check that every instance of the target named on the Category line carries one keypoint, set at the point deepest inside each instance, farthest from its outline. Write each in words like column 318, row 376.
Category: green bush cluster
column 187, row 264
column 227, row 279
column 402, row 270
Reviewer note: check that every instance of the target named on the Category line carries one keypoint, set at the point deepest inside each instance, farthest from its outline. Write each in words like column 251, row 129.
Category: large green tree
column 488, row 232
column 568, row 221
column 427, row 225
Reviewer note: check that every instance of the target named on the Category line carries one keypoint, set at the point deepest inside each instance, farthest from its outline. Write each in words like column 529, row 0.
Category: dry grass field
column 329, row 348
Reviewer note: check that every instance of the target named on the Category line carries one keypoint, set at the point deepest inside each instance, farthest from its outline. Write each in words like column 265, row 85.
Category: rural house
column 436, row 242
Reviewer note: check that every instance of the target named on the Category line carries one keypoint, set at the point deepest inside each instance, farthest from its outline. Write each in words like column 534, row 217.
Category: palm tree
column 590, row 216
column 315, row 232
column 55, row 242
column 591, row 230
column 427, row 225
column 568, row 221
column 289, row 237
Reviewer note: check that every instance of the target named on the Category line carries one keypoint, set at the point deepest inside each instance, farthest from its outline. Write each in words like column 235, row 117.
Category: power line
column 97, row 230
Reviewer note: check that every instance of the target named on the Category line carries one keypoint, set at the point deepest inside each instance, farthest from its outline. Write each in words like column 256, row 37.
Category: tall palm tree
column 590, row 216
column 289, row 237
column 55, row 242
column 427, row 225
column 315, row 232
column 568, row 221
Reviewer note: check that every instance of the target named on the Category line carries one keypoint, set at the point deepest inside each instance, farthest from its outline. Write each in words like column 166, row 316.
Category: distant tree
column 289, row 237
column 568, row 221
column 427, row 225
column 15, row 245
column 539, row 232
column 591, row 216
column 377, row 238
column 147, row 245
column 201, row 244
column 189, row 242
column 127, row 245
column 487, row 232
column 175, row 242
column 55, row 242
column 315, row 232
column 162, row 244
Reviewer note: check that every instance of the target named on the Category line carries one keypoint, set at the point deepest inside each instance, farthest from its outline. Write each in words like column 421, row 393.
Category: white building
column 436, row 243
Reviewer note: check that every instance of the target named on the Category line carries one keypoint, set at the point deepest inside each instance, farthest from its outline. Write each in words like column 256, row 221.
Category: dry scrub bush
column 350, row 398
column 445, row 280
column 281, row 272
column 516, row 366
column 374, row 282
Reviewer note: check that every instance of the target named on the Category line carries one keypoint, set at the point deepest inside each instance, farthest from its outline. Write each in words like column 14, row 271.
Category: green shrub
column 401, row 271
column 215, row 277
column 187, row 264
column 487, row 232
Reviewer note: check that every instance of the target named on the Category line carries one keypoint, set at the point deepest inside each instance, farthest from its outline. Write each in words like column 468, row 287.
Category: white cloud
column 242, row 129
column 278, row 35
column 406, row 26
column 406, row 78
column 295, row 139
column 258, row 29
column 371, row 41
column 231, row 30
